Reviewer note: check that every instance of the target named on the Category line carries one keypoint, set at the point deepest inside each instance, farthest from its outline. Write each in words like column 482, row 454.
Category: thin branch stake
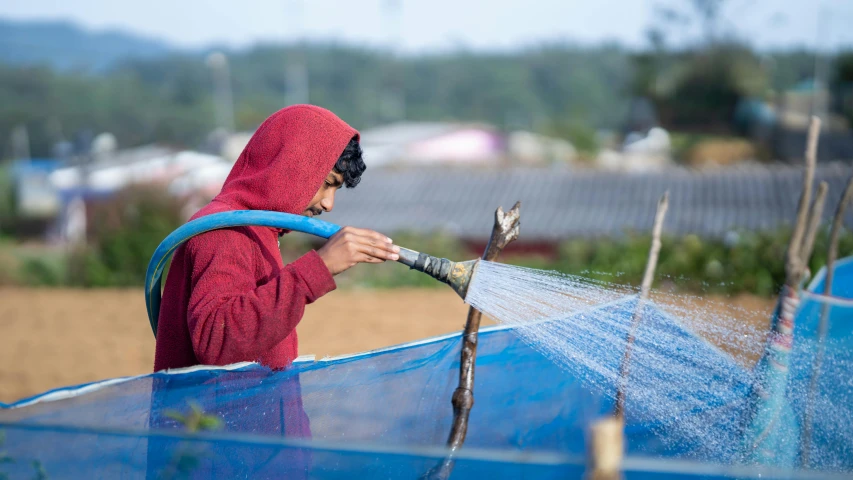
column 645, row 288
column 504, row 231
column 793, row 265
column 815, row 217
column 767, row 398
column 823, row 325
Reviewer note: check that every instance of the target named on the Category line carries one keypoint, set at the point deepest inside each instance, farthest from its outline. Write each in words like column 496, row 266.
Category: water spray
column 456, row 274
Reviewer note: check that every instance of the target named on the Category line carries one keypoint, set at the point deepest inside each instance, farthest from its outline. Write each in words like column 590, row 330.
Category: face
column 324, row 199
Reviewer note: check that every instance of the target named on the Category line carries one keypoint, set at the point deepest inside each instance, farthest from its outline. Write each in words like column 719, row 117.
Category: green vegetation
column 127, row 231
column 749, row 263
column 170, row 100
column 7, row 208
column 842, row 84
column 565, row 90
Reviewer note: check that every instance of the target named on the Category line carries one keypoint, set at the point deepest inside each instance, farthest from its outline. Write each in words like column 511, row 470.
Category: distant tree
column 709, row 86
column 684, row 14
column 698, row 87
column 842, row 84
column 170, row 99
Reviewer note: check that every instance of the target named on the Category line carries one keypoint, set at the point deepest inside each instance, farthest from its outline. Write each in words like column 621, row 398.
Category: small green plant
column 196, row 420
column 187, row 456
column 43, row 271
column 40, row 472
column 4, row 456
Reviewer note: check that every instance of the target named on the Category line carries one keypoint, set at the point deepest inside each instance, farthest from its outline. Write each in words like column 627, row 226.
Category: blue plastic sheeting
column 842, row 282
column 832, row 437
column 383, row 414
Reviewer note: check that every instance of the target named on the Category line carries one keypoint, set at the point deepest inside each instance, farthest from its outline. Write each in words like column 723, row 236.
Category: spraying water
column 691, row 365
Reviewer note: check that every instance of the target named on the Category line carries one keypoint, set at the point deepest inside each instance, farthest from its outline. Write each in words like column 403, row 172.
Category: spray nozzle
column 456, row 274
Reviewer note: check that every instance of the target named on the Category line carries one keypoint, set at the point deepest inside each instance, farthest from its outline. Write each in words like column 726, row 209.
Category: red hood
column 286, row 161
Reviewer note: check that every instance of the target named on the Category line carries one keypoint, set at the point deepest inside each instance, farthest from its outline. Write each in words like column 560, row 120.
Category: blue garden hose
column 457, row 275
column 236, row 218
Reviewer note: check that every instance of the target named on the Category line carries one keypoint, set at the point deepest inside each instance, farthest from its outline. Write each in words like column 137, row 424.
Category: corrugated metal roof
column 564, row 204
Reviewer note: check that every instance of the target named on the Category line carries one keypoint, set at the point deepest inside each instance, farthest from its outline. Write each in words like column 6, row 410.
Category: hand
column 356, row 245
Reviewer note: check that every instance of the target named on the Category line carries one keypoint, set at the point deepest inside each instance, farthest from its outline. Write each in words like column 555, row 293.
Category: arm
column 230, row 317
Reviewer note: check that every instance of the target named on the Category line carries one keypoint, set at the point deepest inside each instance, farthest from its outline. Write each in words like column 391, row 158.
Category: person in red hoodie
column 228, row 296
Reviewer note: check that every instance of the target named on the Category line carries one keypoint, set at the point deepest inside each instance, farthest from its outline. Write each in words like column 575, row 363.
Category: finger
column 374, row 242
column 387, row 246
column 363, row 232
column 377, row 252
column 365, row 258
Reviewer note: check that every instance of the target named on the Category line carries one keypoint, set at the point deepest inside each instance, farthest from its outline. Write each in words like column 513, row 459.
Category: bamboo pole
column 645, row 289
column 504, row 231
column 767, row 398
column 823, row 324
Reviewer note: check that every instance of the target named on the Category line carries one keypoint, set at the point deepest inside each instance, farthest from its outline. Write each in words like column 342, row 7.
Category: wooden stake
column 823, row 324
column 815, row 217
column 504, row 231
column 645, row 288
column 605, row 449
column 772, row 369
column 794, row 267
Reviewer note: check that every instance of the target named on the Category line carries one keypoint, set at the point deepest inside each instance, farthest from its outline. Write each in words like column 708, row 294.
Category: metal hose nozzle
column 456, row 274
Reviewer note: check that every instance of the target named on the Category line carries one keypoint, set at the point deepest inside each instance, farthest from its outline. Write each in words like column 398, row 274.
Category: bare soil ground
column 57, row 337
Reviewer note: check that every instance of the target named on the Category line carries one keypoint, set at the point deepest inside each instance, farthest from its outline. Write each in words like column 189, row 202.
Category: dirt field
column 57, row 337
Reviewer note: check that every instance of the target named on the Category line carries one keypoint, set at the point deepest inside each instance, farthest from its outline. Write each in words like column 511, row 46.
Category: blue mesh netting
column 832, row 436
column 383, row 414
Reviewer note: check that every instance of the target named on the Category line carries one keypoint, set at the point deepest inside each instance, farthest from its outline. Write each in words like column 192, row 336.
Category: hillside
column 64, row 46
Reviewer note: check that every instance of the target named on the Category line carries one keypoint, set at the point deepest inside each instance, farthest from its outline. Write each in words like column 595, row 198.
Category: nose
column 328, row 202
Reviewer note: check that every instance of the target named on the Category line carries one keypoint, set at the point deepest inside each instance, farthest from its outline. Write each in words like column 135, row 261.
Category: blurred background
column 119, row 121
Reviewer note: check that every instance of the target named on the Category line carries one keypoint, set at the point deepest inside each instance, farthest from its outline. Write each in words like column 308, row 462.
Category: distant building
column 794, row 109
column 782, row 126
column 563, row 204
column 640, row 152
column 35, row 197
column 431, row 144
column 183, row 173
column 110, row 172
column 531, row 149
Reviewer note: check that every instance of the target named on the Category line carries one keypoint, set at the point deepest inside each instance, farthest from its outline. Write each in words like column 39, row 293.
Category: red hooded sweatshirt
column 228, row 296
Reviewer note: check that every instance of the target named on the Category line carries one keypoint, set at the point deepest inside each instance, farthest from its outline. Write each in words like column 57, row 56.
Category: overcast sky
column 430, row 25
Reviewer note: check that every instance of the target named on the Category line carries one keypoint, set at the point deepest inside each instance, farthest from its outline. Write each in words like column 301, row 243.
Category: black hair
column 350, row 164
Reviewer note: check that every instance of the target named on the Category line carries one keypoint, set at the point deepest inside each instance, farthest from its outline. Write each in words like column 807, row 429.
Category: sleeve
column 230, row 317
